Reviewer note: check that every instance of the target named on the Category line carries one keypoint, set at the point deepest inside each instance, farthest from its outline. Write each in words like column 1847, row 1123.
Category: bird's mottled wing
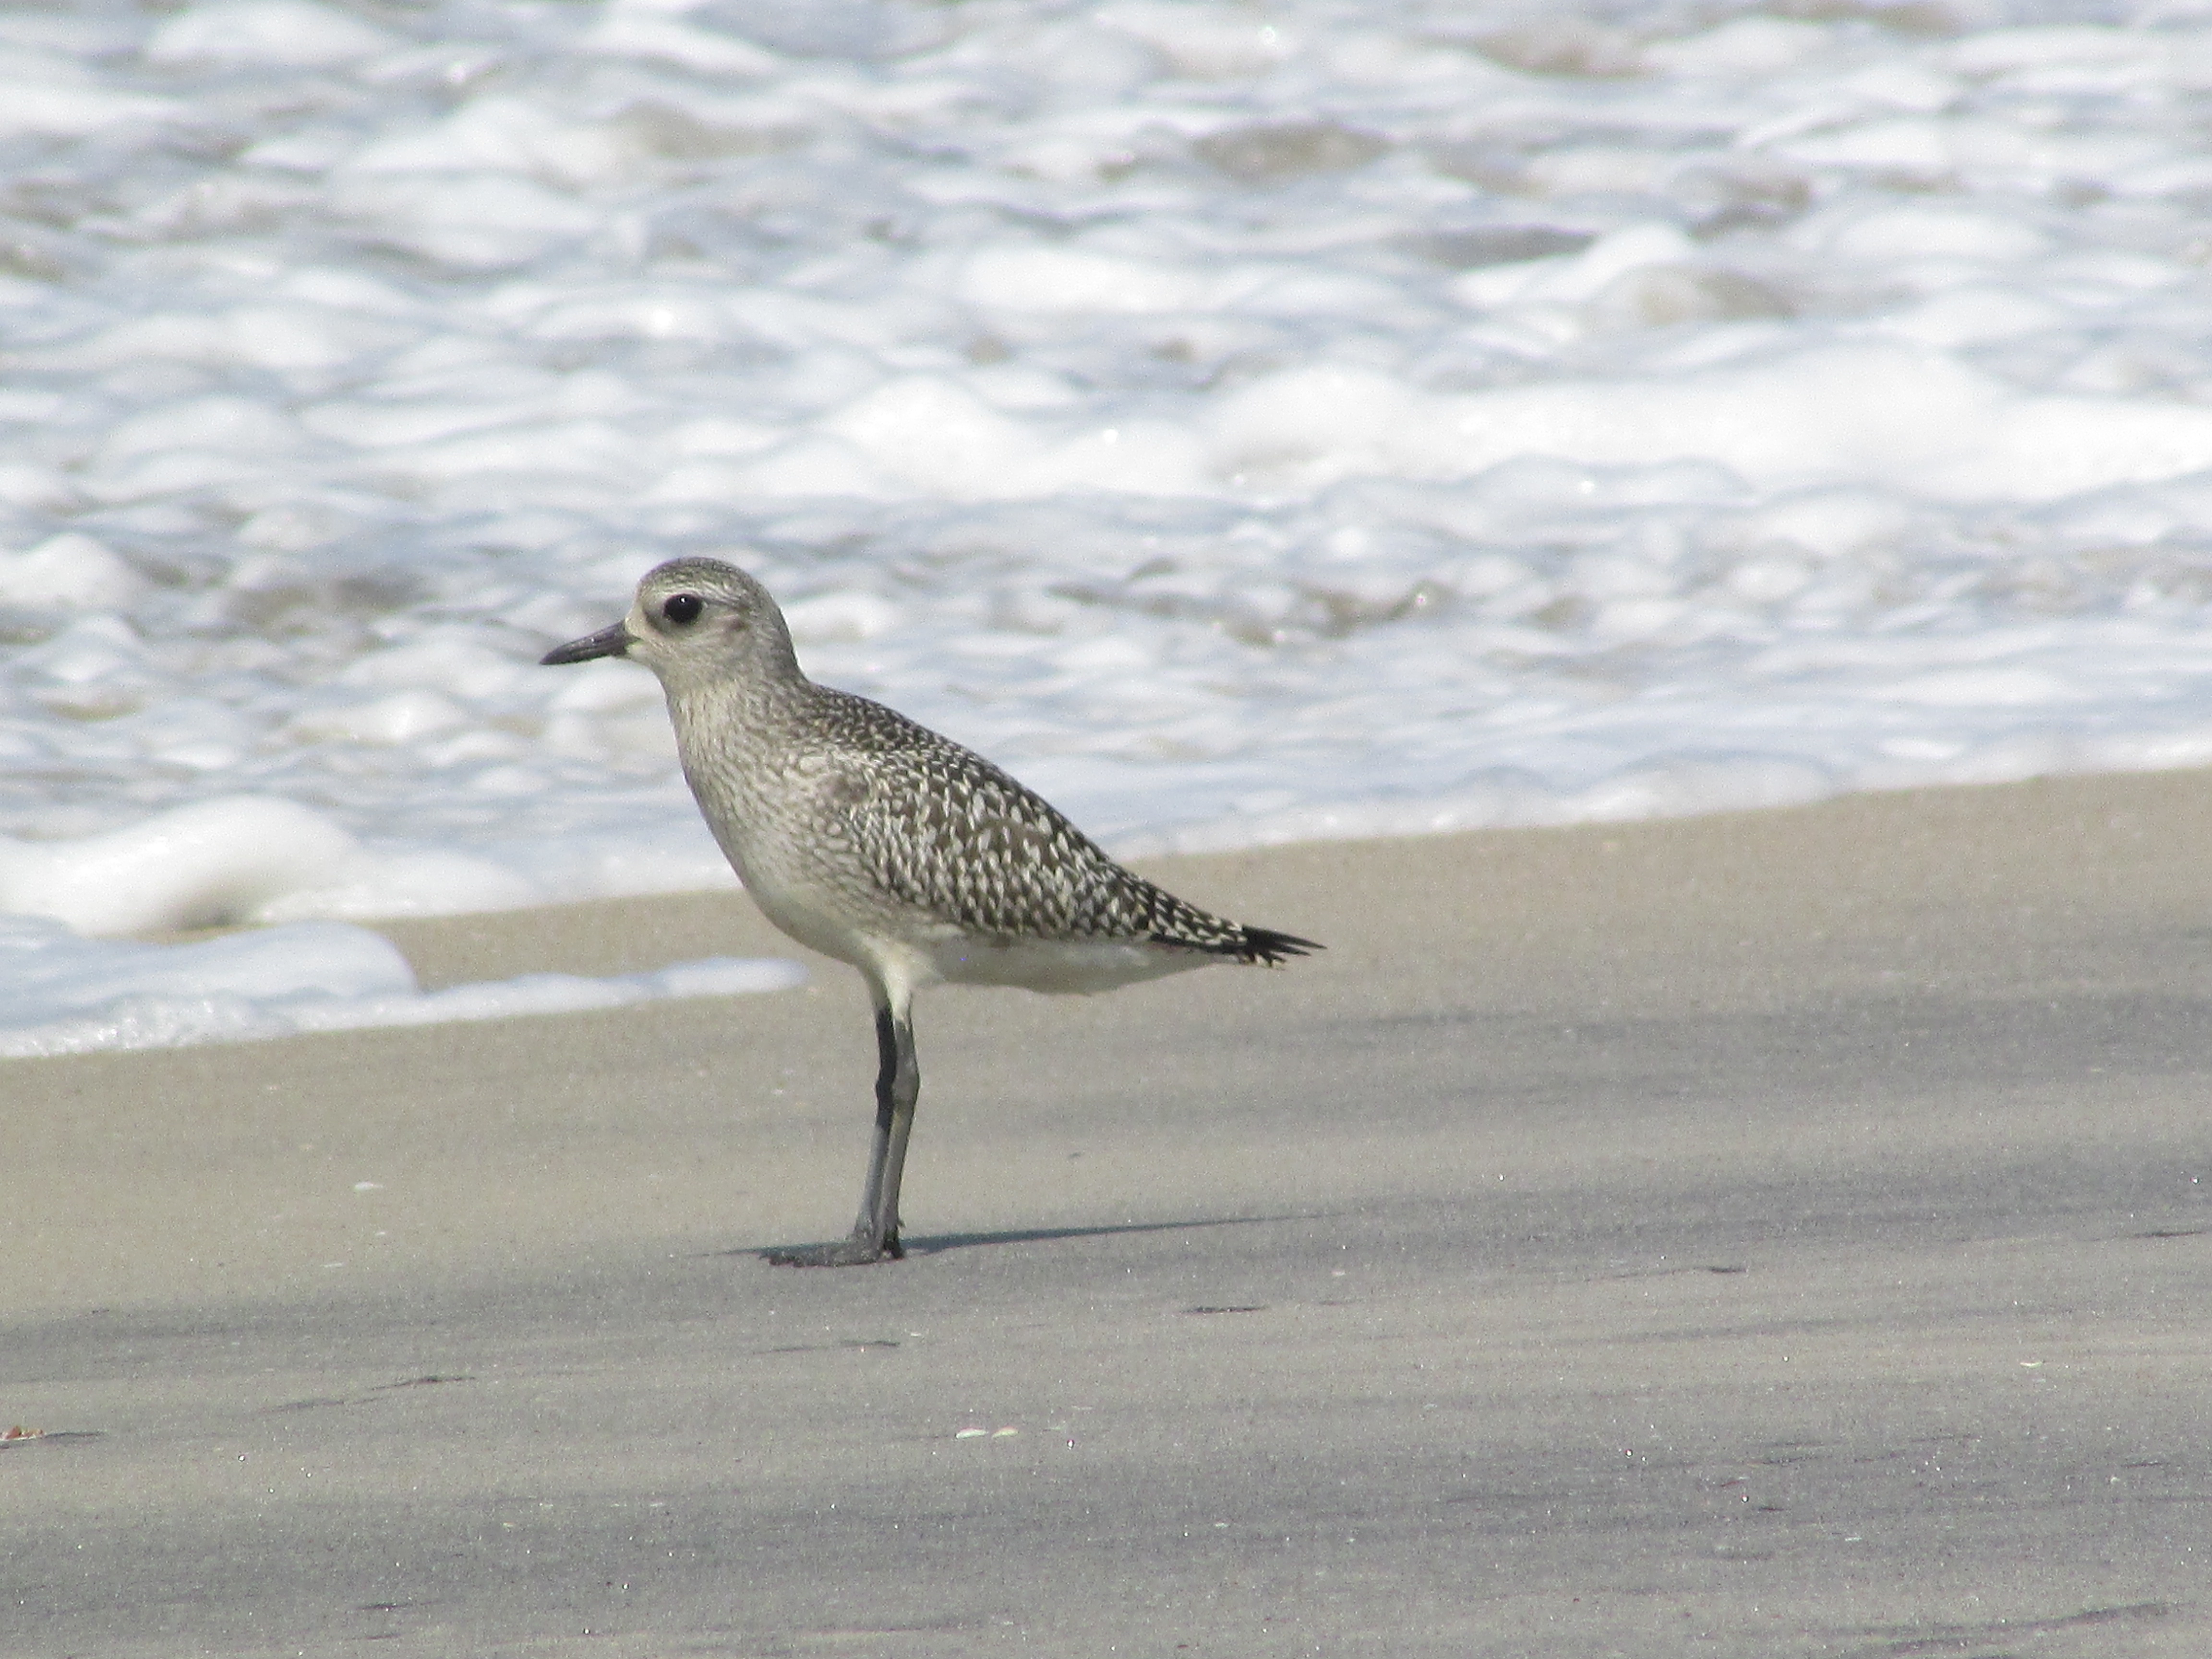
column 939, row 827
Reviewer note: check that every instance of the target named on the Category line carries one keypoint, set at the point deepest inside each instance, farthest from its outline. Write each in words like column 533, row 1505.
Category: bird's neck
column 745, row 709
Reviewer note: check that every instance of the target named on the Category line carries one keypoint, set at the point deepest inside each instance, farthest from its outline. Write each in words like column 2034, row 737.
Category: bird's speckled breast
column 786, row 825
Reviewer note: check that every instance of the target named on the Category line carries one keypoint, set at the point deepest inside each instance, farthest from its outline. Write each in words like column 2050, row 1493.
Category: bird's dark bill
column 607, row 642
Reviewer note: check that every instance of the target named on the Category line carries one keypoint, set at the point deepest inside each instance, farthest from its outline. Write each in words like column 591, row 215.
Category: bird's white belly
column 816, row 920
column 1060, row 965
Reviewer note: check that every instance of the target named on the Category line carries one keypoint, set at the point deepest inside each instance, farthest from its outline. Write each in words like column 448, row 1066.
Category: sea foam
column 1245, row 427
column 71, row 995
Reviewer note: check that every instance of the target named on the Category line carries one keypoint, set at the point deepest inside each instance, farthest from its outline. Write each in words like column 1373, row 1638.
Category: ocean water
column 1246, row 422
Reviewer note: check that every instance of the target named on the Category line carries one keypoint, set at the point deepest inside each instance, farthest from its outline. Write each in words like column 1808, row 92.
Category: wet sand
column 1769, row 1234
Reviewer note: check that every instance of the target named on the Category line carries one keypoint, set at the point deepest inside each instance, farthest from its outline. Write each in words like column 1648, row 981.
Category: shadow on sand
column 939, row 1243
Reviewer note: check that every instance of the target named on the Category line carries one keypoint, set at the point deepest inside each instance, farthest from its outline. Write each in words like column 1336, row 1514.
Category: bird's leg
column 898, row 1084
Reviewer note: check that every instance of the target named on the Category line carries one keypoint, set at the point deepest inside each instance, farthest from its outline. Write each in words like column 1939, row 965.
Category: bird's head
column 693, row 618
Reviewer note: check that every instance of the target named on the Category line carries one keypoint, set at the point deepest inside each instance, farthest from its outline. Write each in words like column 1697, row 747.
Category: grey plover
column 875, row 841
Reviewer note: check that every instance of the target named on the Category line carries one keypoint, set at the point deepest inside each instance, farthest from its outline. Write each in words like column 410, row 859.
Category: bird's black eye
column 683, row 609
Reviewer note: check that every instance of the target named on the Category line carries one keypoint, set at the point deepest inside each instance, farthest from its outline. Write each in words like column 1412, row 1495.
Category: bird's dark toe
column 845, row 1253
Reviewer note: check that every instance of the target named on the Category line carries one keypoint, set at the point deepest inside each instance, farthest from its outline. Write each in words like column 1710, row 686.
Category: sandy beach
column 1765, row 1235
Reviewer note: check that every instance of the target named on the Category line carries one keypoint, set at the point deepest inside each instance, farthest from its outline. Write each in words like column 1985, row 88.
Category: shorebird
column 872, row 839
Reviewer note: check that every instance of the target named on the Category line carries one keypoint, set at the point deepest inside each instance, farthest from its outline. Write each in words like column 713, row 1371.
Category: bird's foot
column 857, row 1251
